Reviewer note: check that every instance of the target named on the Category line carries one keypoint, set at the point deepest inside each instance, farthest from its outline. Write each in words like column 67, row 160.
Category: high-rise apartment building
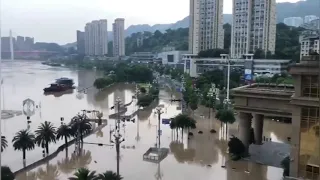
column 80, row 42
column 254, row 27
column 293, row 21
column 310, row 45
column 20, row 43
column 206, row 25
column 29, row 42
column 118, row 38
column 96, row 38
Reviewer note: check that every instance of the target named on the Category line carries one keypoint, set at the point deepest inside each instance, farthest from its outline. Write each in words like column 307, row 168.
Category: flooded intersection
column 200, row 157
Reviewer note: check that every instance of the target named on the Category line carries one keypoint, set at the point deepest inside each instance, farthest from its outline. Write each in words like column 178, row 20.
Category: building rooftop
column 266, row 88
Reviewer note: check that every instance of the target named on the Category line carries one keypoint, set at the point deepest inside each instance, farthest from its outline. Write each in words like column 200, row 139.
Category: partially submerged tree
column 236, row 148
column 285, row 163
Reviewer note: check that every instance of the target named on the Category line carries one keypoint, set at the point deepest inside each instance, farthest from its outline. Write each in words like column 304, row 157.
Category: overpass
column 258, row 100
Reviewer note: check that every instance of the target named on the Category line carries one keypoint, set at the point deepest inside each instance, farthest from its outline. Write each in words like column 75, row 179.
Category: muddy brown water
column 200, row 157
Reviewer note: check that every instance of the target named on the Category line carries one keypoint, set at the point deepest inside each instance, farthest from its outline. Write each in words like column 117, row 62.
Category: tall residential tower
column 206, row 25
column 118, row 38
column 96, row 38
column 253, row 27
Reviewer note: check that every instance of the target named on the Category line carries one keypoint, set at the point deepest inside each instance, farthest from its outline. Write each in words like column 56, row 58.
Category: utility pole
column 159, row 112
column 118, row 137
column 137, row 93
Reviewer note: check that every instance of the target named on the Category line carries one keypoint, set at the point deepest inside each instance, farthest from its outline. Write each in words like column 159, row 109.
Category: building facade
column 118, row 38
column 171, row 57
column 80, row 42
column 310, row 18
column 254, row 27
column 309, row 45
column 305, row 152
column 293, row 21
column 96, row 38
column 195, row 66
column 206, row 25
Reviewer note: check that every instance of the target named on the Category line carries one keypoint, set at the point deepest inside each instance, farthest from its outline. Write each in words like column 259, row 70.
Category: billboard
column 248, row 70
column 187, row 64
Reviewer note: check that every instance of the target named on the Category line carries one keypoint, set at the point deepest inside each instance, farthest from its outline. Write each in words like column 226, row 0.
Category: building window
column 309, row 85
column 309, row 117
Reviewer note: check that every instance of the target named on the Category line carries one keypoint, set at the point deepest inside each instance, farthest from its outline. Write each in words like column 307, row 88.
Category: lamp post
column 137, row 93
column 118, row 137
column 159, row 112
column 228, row 79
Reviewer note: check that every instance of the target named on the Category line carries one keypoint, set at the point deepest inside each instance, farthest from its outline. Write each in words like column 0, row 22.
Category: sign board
column 187, row 64
column 166, row 121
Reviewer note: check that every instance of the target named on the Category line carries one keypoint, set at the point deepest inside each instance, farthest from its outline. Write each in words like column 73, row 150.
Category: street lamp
column 159, row 112
column 137, row 93
column 118, row 137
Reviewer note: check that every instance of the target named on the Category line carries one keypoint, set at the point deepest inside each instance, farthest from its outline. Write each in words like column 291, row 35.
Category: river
column 200, row 157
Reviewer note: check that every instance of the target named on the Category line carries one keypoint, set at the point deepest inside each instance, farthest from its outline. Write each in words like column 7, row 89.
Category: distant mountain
column 284, row 10
column 184, row 23
column 298, row 9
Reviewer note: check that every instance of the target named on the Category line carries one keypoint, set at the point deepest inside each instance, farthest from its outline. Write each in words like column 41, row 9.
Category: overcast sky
column 58, row 20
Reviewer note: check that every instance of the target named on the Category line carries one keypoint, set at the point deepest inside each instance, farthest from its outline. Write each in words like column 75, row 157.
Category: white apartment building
column 254, row 27
column 293, row 21
column 308, row 45
column 310, row 18
column 118, row 38
column 96, row 38
column 206, row 25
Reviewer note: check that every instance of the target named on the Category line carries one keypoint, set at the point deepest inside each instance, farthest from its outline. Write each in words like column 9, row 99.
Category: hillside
column 287, row 41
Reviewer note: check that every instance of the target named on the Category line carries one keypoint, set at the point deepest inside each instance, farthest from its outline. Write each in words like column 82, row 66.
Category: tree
column 64, row 131
column 143, row 90
column 80, row 124
column 182, row 121
column 45, row 134
column 226, row 116
column 6, row 173
column 144, row 100
column 109, row 175
column 236, row 148
column 285, row 163
column 84, row 174
column 4, row 143
column 23, row 141
column 101, row 83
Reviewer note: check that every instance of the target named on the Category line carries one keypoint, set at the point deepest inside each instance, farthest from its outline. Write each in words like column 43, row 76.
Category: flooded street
column 200, row 157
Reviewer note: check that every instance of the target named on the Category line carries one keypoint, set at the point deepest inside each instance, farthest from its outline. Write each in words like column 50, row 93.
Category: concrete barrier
column 54, row 154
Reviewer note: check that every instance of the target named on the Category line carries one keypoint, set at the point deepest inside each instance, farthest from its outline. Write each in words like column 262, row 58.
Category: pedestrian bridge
column 265, row 99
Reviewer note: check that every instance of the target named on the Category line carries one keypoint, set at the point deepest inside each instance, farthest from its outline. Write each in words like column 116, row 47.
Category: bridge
column 253, row 102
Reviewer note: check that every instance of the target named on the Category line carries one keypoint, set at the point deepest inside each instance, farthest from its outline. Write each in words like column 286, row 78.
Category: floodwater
column 200, row 157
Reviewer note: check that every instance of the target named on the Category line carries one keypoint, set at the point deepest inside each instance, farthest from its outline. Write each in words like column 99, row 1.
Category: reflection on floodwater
column 199, row 157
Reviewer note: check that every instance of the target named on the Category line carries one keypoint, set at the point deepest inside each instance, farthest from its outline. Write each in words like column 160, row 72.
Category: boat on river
column 62, row 84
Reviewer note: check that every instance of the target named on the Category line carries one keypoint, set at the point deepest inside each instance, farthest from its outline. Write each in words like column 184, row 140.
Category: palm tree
column 80, row 123
column 84, row 174
column 64, row 131
column 109, row 175
column 226, row 116
column 6, row 173
column 45, row 134
column 4, row 143
column 23, row 140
